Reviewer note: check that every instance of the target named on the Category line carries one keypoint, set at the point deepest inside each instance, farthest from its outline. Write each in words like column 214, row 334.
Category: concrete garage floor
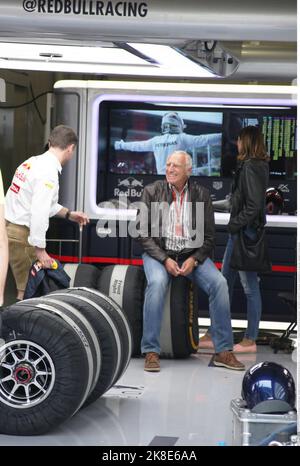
column 187, row 403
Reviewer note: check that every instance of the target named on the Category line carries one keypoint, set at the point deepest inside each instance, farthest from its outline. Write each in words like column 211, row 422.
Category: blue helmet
column 172, row 123
column 269, row 387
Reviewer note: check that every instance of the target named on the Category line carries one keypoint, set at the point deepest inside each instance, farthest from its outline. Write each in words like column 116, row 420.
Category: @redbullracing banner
column 150, row 21
column 87, row 7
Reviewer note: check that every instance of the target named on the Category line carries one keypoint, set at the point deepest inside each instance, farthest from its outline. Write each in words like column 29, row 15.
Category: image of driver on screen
column 172, row 138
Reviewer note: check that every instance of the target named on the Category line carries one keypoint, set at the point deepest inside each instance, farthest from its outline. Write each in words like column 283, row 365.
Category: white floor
column 187, row 403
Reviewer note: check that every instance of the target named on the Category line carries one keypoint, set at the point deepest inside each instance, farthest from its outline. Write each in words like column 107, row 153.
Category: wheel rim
column 27, row 374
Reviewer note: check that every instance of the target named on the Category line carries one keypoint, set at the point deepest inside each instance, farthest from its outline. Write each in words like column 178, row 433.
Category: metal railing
column 60, row 241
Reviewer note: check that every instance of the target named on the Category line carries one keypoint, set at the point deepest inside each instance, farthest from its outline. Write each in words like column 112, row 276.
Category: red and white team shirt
column 32, row 197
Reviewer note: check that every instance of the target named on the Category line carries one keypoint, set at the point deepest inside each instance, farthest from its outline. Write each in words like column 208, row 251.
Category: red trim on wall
column 98, row 260
column 118, row 260
column 112, row 260
column 284, row 268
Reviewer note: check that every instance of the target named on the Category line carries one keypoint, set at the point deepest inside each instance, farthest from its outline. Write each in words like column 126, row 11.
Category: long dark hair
column 252, row 144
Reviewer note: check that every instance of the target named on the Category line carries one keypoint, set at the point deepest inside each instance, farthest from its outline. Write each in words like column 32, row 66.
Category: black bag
column 249, row 255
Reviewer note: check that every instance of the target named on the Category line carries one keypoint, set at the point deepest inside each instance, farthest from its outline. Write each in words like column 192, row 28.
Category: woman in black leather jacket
column 247, row 213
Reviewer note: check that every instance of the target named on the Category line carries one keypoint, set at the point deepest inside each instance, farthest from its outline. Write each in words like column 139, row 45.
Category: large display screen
column 141, row 140
column 135, row 138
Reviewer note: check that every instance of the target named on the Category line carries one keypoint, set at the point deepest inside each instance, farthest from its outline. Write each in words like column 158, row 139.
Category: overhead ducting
column 211, row 55
column 261, row 60
column 251, row 60
column 155, row 21
column 236, row 40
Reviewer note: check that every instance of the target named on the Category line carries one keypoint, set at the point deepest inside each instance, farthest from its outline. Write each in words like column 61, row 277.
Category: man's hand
column 79, row 217
column 187, row 266
column 45, row 260
column 172, row 267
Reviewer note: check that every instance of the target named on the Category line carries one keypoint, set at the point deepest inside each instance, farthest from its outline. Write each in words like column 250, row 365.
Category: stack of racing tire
column 64, row 350
column 126, row 284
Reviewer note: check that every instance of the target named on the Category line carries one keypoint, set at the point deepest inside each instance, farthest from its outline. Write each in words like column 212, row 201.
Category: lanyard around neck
column 178, row 210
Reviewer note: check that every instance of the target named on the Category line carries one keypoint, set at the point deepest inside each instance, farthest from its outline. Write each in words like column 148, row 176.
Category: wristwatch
column 196, row 263
column 68, row 213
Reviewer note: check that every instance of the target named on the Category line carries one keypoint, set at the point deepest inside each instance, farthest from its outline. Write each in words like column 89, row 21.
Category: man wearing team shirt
column 32, row 199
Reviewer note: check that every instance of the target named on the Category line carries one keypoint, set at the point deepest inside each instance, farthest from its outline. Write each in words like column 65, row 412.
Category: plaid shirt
column 178, row 215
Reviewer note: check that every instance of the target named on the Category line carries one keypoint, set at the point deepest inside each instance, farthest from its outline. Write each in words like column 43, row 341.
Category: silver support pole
column 80, row 244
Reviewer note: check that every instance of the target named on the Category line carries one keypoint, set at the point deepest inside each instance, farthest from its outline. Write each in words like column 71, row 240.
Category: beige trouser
column 21, row 253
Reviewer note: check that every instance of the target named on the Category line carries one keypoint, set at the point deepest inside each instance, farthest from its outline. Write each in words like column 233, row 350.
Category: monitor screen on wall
column 142, row 139
column 135, row 138
column 279, row 131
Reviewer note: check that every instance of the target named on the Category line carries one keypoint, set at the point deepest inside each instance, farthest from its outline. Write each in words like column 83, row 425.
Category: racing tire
column 108, row 335
column 44, row 371
column 119, row 326
column 179, row 334
column 81, row 325
column 125, row 284
column 82, row 274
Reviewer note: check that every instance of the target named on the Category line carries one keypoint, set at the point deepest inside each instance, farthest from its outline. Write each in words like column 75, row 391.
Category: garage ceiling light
column 228, row 91
column 99, row 60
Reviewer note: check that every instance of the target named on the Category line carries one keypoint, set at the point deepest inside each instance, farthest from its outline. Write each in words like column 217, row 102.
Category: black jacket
column 249, row 195
column 160, row 191
column 43, row 281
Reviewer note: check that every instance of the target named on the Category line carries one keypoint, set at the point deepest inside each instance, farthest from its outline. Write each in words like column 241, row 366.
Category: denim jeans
column 250, row 284
column 209, row 279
